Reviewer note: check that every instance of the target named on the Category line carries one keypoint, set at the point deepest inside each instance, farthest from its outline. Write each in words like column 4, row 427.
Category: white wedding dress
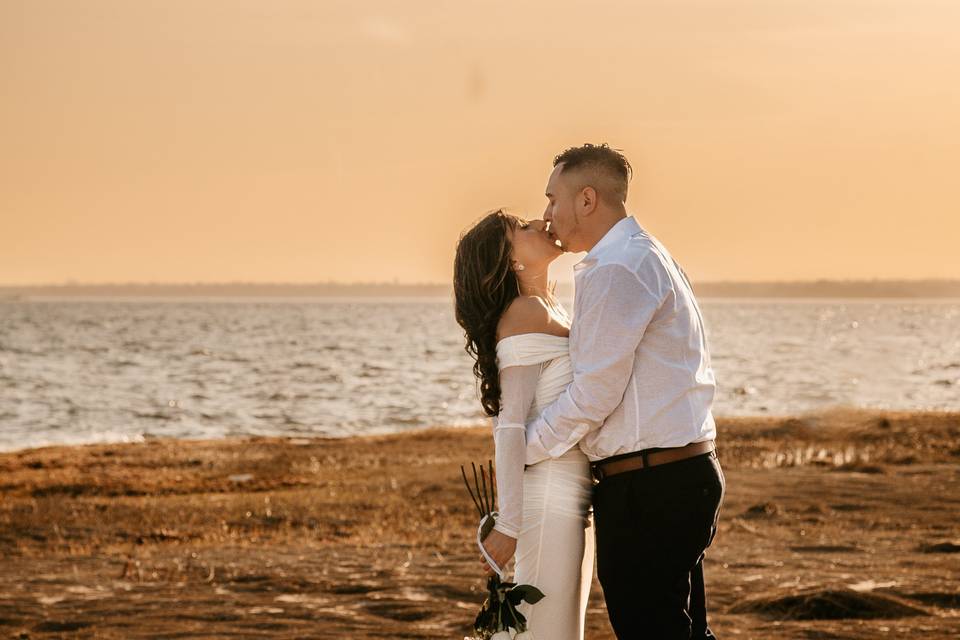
column 546, row 506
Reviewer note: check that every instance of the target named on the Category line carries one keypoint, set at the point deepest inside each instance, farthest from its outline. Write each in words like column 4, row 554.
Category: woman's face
column 530, row 244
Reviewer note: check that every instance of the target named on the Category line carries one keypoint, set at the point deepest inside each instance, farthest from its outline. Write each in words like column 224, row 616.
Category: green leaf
column 527, row 593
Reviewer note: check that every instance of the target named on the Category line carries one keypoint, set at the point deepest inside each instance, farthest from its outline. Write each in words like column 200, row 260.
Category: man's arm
column 614, row 309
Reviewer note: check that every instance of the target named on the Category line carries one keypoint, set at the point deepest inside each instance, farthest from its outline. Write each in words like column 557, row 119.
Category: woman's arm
column 518, row 387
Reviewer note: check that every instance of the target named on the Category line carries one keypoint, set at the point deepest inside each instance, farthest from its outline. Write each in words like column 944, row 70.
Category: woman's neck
column 534, row 284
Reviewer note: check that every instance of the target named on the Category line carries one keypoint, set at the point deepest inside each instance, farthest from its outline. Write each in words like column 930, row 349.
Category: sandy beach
column 835, row 525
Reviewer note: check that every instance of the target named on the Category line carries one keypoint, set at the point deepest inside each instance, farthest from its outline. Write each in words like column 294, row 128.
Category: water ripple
column 91, row 371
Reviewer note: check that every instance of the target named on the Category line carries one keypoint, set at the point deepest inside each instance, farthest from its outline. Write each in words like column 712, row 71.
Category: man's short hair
column 603, row 168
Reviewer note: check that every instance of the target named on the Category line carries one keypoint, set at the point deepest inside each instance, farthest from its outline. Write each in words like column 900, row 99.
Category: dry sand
column 838, row 525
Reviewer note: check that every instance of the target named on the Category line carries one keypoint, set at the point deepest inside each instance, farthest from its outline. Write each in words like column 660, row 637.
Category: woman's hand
column 501, row 548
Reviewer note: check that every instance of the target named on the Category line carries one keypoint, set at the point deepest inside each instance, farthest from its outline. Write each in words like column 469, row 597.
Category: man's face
column 560, row 212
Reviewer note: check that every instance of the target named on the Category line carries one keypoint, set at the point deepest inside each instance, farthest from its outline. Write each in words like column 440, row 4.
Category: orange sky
column 199, row 140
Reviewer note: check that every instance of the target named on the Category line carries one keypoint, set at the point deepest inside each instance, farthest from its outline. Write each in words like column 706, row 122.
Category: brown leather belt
column 649, row 458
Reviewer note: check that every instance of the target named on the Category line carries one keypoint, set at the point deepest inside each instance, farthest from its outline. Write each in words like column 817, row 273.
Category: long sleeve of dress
column 518, row 388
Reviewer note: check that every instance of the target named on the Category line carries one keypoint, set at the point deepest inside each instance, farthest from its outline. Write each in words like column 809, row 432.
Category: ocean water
column 126, row 370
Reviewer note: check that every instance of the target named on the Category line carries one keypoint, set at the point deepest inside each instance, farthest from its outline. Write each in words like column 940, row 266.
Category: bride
column 517, row 333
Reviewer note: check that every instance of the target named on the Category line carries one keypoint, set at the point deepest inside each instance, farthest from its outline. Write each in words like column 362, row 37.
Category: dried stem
column 476, row 482
column 486, row 496
column 463, row 472
column 493, row 485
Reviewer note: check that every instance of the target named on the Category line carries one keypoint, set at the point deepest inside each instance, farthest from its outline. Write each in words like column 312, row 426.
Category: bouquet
column 498, row 618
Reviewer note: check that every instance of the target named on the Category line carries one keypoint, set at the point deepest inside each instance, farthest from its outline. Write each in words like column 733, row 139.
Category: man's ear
column 587, row 200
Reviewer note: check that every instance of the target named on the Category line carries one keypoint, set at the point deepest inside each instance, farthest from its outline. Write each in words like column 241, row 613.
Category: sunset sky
column 270, row 141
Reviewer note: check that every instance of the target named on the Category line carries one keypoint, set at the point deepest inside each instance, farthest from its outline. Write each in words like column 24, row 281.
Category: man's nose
column 546, row 215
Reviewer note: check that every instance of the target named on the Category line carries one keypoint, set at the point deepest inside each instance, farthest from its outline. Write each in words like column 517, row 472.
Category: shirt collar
column 620, row 231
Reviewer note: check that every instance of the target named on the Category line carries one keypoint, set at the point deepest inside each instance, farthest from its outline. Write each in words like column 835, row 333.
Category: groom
column 638, row 406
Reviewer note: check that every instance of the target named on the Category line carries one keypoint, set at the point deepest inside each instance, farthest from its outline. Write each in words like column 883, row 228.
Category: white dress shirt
column 641, row 368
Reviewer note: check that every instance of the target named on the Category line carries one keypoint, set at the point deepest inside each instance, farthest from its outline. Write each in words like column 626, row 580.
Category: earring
column 520, row 267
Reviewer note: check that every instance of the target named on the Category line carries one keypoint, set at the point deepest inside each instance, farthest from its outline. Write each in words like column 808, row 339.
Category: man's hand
column 534, row 452
column 501, row 548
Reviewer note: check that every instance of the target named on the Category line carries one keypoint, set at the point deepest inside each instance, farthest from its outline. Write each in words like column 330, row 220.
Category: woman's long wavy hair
column 484, row 285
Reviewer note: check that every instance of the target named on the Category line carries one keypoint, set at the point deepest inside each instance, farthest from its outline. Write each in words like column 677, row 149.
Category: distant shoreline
column 908, row 289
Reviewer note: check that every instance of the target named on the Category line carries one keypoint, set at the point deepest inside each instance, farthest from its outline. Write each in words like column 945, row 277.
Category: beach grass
column 840, row 524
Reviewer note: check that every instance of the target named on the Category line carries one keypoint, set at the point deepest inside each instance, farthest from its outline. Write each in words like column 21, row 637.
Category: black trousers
column 653, row 526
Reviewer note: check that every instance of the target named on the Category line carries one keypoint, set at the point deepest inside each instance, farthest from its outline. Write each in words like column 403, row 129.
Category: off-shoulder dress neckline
column 533, row 333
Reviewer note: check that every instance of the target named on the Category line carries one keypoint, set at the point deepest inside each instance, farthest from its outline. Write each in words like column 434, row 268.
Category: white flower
column 525, row 635
column 501, row 635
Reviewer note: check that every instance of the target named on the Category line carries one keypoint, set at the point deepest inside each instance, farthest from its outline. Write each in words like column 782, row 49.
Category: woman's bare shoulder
column 527, row 314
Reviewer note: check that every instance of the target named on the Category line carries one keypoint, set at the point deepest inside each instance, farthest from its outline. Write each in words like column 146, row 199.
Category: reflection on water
column 87, row 371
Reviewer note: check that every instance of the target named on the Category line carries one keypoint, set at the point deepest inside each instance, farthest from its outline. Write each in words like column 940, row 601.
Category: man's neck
column 609, row 221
